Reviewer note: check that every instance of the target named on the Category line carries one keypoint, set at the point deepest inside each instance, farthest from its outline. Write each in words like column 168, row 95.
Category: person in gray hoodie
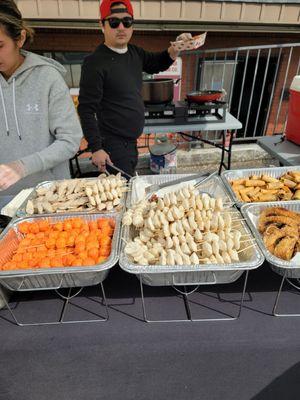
column 39, row 127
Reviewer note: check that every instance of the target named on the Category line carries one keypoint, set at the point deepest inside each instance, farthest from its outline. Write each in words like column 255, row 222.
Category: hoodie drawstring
column 4, row 110
column 15, row 110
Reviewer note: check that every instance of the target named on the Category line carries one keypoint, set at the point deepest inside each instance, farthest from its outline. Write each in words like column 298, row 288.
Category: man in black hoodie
column 111, row 107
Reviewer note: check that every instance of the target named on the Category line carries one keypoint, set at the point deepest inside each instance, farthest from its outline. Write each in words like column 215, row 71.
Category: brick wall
column 87, row 40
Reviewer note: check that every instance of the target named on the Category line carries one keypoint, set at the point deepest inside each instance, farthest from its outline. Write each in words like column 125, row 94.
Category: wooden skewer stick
column 124, row 240
column 65, row 254
column 29, row 247
column 246, row 248
column 247, row 240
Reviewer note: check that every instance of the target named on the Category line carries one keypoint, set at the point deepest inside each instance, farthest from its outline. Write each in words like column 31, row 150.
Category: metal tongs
column 156, row 187
column 119, row 170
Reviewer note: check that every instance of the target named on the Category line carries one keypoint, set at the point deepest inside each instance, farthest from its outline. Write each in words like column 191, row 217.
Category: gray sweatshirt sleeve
column 64, row 125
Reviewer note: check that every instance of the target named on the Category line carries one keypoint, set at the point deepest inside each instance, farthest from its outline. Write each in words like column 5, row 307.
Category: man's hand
column 100, row 158
column 173, row 53
column 183, row 36
column 10, row 174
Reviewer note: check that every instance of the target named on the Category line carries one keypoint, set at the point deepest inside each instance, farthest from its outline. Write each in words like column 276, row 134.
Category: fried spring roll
column 255, row 182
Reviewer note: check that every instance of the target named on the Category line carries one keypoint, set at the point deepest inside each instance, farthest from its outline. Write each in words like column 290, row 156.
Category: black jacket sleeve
column 155, row 62
column 90, row 96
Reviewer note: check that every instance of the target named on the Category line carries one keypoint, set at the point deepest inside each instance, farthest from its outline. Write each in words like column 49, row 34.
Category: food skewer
column 184, row 227
column 246, row 248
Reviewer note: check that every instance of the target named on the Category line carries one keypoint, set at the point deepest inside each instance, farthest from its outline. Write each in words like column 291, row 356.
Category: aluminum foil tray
column 158, row 275
column 21, row 212
column 251, row 212
column 229, row 175
column 60, row 277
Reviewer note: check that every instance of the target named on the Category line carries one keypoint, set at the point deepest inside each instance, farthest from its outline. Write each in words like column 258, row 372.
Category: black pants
column 123, row 153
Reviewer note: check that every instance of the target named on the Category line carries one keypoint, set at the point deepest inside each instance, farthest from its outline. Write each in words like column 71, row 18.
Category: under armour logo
column 32, row 107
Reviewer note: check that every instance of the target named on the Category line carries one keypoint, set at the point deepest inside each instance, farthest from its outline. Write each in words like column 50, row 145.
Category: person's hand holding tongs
column 100, row 158
column 127, row 176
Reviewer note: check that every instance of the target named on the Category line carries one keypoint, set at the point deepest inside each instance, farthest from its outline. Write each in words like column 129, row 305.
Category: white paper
column 191, row 44
column 138, row 193
column 12, row 207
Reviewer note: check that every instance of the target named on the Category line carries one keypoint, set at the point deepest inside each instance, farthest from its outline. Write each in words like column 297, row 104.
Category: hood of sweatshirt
column 31, row 62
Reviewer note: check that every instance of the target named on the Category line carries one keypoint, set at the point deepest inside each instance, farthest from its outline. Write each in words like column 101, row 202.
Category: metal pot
column 158, row 91
column 203, row 96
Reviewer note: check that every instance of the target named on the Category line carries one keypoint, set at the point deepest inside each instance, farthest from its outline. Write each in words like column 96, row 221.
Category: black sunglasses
column 114, row 22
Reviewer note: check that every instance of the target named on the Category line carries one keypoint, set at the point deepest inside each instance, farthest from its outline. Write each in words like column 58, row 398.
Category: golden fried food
column 269, row 191
column 280, row 230
column 284, row 195
column 268, row 178
column 254, row 182
column 243, row 195
column 285, row 249
column 289, row 183
column 272, row 211
column 296, row 195
column 296, row 176
column 254, row 192
column 273, row 235
column 286, row 230
column 271, row 229
column 266, row 188
column 279, row 220
column 247, row 190
column 271, row 240
column 239, row 181
column 266, row 197
column 275, row 185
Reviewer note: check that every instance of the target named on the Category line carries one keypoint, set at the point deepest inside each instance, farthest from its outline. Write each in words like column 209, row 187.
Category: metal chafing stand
column 286, row 269
column 46, row 279
column 180, row 277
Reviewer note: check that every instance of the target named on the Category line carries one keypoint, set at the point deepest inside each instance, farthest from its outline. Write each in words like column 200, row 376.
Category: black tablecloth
column 255, row 357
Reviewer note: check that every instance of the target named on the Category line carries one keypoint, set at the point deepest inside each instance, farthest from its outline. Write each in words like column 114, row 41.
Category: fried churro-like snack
column 285, row 248
column 275, row 219
column 273, row 234
column 275, row 211
column 296, row 196
column 280, row 229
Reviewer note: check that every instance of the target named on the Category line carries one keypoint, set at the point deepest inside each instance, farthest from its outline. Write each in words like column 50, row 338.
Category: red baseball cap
column 105, row 7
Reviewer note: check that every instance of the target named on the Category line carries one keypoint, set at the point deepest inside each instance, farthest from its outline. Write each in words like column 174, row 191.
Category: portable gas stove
column 183, row 112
